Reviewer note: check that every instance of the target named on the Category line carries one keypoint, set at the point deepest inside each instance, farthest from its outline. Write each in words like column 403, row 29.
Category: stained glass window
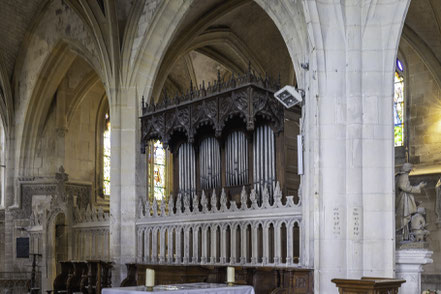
column 106, row 156
column 398, row 110
column 157, row 170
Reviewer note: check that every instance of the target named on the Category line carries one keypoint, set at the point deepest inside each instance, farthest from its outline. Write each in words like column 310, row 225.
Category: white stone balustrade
column 266, row 234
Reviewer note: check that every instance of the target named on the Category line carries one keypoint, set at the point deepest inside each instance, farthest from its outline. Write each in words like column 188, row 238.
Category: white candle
column 230, row 274
column 149, row 277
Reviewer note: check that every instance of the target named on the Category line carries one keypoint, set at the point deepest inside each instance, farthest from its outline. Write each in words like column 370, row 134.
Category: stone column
column 186, row 258
column 409, row 266
column 265, row 244
column 349, row 98
column 146, row 245
column 204, row 244
column 155, row 241
column 178, row 249
column 223, row 245
column 139, row 247
column 170, row 245
column 254, row 243
column 195, row 255
column 244, row 244
column 277, row 243
column 162, row 245
column 61, row 122
column 233, row 245
column 125, row 155
column 214, row 247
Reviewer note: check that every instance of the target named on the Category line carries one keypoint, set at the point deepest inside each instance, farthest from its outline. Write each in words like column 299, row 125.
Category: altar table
column 190, row 288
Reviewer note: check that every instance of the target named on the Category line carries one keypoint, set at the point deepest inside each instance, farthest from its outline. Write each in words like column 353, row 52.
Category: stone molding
column 409, row 266
column 90, row 215
column 204, row 227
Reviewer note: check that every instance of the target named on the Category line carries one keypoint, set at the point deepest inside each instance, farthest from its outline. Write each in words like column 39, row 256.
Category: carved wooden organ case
column 228, row 135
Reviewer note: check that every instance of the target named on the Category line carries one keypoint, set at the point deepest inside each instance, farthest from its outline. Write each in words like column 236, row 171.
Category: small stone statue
column 418, row 226
column 408, row 213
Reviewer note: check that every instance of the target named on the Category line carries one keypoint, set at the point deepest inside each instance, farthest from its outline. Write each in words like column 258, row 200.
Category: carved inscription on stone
column 336, row 227
column 356, row 220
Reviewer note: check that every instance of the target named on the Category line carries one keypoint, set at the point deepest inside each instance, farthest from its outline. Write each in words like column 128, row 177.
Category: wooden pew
column 87, row 277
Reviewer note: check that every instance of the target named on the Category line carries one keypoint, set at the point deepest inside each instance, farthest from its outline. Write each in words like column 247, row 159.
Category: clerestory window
column 106, row 155
column 399, row 109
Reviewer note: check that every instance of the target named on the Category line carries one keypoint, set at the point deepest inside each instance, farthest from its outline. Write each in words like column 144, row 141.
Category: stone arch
column 169, row 17
column 55, row 28
column 49, row 252
column 53, row 71
column 6, row 101
column 425, row 53
column 6, row 128
column 80, row 93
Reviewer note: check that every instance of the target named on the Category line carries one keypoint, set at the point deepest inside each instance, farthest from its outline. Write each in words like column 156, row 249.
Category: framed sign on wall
column 22, row 247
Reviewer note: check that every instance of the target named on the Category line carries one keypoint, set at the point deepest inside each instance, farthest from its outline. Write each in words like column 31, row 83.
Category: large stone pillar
column 124, row 153
column 353, row 49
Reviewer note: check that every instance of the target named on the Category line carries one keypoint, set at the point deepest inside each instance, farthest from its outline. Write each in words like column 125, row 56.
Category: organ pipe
column 264, row 159
column 209, row 163
column 236, row 159
column 187, row 175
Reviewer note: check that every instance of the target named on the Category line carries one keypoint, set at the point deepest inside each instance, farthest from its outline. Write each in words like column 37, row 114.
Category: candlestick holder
column 149, row 288
column 230, row 284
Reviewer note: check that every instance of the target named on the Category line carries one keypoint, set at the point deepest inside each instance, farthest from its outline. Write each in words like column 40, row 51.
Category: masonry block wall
column 423, row 95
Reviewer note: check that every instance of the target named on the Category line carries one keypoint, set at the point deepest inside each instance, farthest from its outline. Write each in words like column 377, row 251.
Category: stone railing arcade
column 217, row 231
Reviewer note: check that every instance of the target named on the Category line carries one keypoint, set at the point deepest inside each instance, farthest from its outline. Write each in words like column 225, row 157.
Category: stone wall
column 2, row 237
column 423, row 95
column 73, row 142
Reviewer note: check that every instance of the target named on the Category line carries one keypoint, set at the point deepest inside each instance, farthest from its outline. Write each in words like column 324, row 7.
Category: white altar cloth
column 190, row 288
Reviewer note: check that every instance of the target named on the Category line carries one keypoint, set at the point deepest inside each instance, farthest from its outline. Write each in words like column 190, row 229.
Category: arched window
column 103, row 153
column 106, row 155
column 399, row 107
column 158, row 159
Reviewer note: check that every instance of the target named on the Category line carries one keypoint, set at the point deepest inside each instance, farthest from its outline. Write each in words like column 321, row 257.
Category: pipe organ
column 229, row 135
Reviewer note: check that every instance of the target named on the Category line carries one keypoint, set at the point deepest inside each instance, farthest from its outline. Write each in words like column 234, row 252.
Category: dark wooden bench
column 87, row 277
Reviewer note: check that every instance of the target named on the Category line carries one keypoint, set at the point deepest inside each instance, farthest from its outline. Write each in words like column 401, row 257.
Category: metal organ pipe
column 187, row 181
column 209, row 163
column 264, row 159
column 236, row 159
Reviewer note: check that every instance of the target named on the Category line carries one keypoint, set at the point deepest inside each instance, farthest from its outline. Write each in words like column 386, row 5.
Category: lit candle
column 150, row 277
column 230, row 274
